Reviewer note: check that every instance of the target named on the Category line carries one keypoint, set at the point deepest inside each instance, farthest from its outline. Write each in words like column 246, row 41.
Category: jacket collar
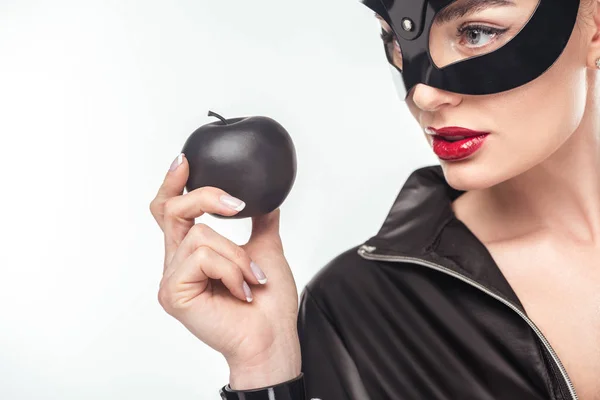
column 421, row 224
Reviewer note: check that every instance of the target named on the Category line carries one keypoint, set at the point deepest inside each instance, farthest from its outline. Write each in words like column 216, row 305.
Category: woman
column 482, row 282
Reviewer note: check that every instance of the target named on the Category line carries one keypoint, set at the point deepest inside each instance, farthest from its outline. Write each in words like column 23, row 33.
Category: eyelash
column 487, row 30
column 388, row 37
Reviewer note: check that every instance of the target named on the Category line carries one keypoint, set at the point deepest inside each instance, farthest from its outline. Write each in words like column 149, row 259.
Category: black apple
column 251, row 158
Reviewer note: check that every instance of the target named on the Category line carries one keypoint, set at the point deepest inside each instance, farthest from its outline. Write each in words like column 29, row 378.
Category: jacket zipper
column 366, row 251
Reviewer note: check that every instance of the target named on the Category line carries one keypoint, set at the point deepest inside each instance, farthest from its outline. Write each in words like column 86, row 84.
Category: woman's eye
column 392, row 48
column 388, row 37
column 476, row 36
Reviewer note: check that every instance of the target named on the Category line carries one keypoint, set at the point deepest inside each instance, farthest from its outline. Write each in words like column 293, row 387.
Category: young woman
column 482, row 282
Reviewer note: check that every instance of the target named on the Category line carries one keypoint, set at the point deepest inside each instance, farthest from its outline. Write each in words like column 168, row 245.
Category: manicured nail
column 232, row 202
column 176, row 162
column 247, row 292
column 258, row 273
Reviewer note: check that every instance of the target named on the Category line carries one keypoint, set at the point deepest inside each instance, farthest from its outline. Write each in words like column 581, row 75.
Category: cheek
column 529, row 124
column 547, row 111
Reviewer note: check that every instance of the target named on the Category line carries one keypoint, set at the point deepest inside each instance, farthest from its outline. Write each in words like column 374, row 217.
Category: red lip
column 456, row 131
column 459, row 149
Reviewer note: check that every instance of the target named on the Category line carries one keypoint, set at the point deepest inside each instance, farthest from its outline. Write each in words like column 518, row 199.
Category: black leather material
column 524, row 58
column 378, row 330
column 290, row 390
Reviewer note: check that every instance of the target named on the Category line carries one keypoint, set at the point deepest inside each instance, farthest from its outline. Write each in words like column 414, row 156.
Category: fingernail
column 247, row 292
column 176, row 162
column 232, row 202
column 258, row 273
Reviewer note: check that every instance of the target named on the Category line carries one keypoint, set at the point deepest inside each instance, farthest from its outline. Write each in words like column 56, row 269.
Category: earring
column 598, row 63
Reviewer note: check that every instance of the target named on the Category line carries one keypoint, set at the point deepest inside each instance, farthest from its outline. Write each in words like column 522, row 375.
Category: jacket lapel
column 421, row 224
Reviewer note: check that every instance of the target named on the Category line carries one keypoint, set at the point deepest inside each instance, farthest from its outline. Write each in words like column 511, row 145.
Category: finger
column 205, row 263
column 173, row 185
column 266, row 227
column 203, row 235
column 181, row 211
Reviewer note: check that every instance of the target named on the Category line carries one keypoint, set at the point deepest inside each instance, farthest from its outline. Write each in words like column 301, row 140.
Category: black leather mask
column 531, row 49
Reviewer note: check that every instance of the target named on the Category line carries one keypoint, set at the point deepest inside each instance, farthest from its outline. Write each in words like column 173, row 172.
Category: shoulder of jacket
column 347, row 277
column 344, row 267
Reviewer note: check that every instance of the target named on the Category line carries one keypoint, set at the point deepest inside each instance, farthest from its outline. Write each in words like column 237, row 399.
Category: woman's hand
column 207, row 280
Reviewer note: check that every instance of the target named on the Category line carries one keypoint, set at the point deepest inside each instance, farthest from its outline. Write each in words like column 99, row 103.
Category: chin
column 469, row 175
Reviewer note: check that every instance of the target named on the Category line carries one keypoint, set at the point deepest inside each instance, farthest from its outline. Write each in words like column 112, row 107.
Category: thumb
column 175, row 179
column 266, row 227
column 172, row 185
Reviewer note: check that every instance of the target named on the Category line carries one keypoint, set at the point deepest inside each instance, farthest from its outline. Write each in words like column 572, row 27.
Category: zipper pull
column 366, row 249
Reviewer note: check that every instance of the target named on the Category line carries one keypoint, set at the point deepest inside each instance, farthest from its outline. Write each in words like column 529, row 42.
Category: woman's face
column 527, row 124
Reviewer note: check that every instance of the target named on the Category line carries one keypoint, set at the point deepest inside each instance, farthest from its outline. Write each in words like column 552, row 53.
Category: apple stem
column 213, row 114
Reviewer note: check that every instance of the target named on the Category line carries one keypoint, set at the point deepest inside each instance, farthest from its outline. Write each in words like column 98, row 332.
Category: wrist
column 278, row 364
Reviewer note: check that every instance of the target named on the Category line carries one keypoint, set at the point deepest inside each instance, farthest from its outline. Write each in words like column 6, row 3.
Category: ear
column 593, row 13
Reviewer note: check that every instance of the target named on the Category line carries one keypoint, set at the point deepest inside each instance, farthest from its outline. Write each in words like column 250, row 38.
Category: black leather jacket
column 418, row 311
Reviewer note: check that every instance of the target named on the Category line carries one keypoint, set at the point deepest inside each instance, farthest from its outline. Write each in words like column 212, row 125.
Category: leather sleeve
column 329, row 370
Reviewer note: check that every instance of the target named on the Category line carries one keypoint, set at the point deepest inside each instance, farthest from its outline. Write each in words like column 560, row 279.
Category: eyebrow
column 467, row 7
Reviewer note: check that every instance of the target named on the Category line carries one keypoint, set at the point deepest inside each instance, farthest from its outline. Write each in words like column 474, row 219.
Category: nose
column 431, row 99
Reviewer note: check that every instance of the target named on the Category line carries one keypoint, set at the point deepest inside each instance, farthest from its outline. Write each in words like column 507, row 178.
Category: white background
column 97, row 98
